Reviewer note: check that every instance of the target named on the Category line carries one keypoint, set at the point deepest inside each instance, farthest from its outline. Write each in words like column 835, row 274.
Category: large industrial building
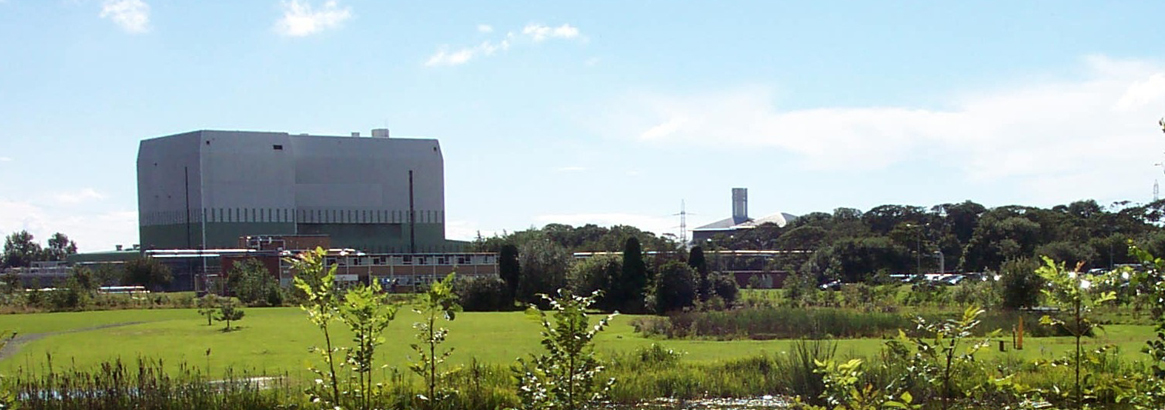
column 206, row 189
column 739, row 221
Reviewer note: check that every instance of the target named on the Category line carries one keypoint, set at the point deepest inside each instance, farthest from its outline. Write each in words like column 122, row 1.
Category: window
column 277, row 147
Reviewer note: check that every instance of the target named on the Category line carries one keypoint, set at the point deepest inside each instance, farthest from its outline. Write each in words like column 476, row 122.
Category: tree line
column 852, row 245
column 633, row 278
column 21, row 249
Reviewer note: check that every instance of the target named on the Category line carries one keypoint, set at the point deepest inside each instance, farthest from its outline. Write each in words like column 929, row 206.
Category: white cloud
column 5, row 159
column 1100, row 129
column 93, row 230
column 301, row 19
column 131, row 15
column 79, row 196
column 462, row 56
column 532, row 33
column 539, row 32
column 465, row 230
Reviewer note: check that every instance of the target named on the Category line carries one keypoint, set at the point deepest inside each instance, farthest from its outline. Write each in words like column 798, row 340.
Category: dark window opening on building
column 277, row 147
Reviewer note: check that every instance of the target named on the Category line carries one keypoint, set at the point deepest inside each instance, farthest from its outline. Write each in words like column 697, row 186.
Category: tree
column 228, row 311
column 633, row 281
column 60, row 247
column 544, row 264
column 438, row 301
column 148, row 272
column 858, row 259
column 675, row 287
column 508, row 267
column 1001, row 234
column 1020, row 284
column 1069, row 251
column 20, row 250
column 567, row 375
column 596, row 273
column 208, row 307
column 483, row 294
column 696, row 260
column 252, row 283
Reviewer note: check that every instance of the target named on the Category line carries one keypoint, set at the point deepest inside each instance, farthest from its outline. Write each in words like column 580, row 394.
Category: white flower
column 1085, row 284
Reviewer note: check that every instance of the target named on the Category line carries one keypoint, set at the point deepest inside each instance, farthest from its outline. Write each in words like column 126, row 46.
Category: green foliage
column 631, row 286
column 697, row 261
column 1072, row 292
column 724, row 286
column 228, row 310
column 675, row 287
column 936, row 358
column 20, row 250
column 322, row 305
column 509, row 269
column 1000, row 235
column 483, row 294
column 1068, row 251
column 1020, row 285
column 858, row 259
column 1150, row 392
column 544, row 265
column 59, row 247
column 148, row 272
column 438, row 301
column 251, row 282
column 146, row 384
column 365, row 310
column 566, row 376
column 207, row 306
column 598, row 272
column 844, row 390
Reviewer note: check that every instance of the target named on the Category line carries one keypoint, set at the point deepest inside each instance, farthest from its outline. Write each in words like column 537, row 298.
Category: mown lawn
column 277, row 340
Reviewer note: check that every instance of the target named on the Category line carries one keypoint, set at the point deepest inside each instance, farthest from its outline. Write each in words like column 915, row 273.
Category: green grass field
column 276, row 340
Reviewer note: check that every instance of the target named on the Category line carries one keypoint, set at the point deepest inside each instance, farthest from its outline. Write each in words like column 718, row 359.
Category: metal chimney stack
column 739, row 205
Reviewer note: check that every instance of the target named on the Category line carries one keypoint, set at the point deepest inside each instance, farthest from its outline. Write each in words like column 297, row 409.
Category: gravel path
column 13, row 345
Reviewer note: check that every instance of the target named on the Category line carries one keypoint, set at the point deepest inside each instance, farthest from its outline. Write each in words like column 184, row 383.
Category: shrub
column 675, row 287
column 567, row 375
column 1019, row 284
column 724, row 286
column 483, row 294
column 250, row 281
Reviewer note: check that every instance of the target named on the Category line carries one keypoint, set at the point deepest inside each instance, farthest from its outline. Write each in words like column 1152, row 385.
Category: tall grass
column 145, row 384
column 643, row 375
column 763, row 323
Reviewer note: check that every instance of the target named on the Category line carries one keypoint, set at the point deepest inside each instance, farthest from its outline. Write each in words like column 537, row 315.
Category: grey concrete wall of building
column 247, row 183
column 169, row 176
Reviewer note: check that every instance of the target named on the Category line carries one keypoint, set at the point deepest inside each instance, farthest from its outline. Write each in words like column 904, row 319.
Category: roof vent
column 380, row 133
column 355, row 134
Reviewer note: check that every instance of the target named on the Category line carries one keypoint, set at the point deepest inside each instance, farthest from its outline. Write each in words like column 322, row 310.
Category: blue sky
column 597, row 112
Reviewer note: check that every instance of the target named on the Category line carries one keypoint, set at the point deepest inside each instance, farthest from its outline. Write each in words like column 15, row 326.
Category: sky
column 604, row 112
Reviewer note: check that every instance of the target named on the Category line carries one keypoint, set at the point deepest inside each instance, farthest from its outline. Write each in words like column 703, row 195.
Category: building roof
column 727, row 224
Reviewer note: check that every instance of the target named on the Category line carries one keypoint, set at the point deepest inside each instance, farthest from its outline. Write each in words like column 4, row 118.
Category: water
column 750, row 403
